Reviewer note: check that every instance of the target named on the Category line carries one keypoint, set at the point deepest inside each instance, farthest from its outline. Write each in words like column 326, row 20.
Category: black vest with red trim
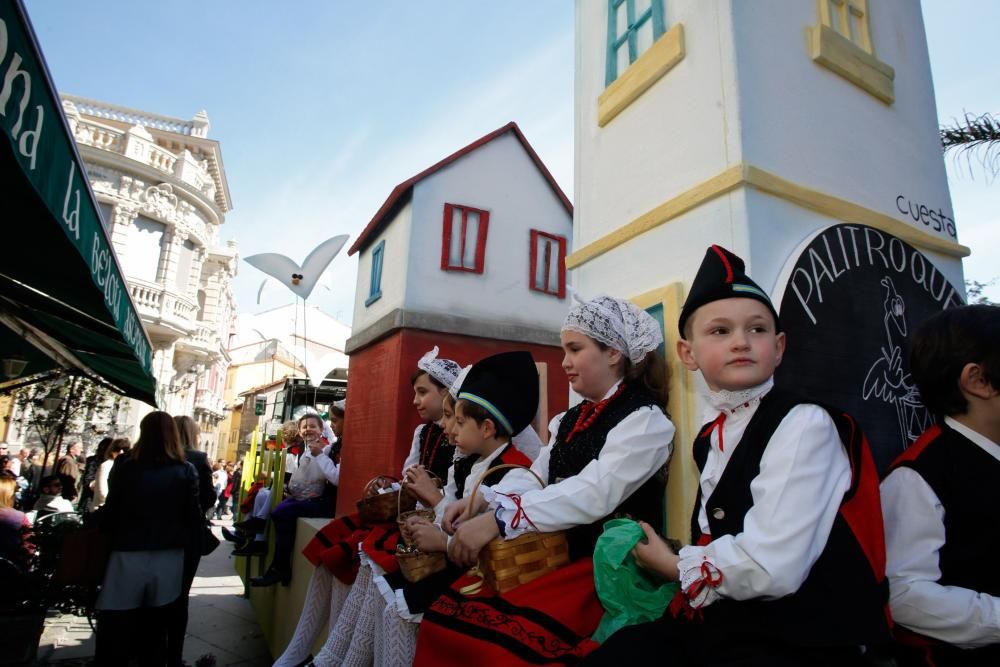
column 436, row 454
column 966, row 480
column 843, row 601
column 568, row 459
column 508, row 456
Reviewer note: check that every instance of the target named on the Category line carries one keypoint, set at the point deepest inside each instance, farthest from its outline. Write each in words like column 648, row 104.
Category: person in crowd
column 235, row 481
column 153, row 517
column 787, row 565
column 336, row 429
column 31, row 467
column 51, row 498
column 90, row 466
column 220, row 478
column 336, row 545
column 498, row 397
column 112, row 451
column 68, row 469
column 14, row 526
column 188, row 430
column 303, row 498
column 607, row 456
column 940, row 496
column 7, row 464
column 19, row 459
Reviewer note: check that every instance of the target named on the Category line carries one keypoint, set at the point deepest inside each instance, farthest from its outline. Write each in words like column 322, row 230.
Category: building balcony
column 207, row 401
column 163, row 312
column 137, row 144
column 204, row 343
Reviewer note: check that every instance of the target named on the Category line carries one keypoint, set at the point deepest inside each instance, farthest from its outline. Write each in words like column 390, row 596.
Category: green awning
column 63, row 300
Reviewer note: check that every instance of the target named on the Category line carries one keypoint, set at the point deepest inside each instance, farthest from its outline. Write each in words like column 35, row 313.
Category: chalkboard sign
column 852, row 299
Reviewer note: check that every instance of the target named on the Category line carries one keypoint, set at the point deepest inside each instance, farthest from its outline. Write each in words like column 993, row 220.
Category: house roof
column 402, row 192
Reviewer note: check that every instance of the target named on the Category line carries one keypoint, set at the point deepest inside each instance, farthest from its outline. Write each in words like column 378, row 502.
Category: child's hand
column 427, row 536
column 453, row 515
column 422, row 485
column 655, row 554
column 470, row 538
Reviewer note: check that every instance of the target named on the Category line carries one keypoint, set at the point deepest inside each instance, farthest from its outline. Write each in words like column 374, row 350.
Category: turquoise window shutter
column 375, row 283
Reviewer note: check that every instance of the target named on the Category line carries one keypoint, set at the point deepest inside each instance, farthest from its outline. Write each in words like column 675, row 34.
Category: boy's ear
column 686, row 355
column 973, row 381
column 488, row 428
column 779, row 343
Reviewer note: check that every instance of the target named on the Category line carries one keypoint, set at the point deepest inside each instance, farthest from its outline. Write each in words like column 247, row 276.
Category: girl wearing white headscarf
column 607, row 456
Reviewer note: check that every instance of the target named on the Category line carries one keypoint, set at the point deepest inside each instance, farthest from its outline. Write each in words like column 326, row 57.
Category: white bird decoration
column 300, row 280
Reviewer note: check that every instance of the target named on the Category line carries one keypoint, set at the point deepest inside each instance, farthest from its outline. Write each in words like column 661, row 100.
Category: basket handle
column 399, row 496
column 375, row 480
column 502, row 466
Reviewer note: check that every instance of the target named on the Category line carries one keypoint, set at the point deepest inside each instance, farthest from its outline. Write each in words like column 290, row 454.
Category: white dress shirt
column 634, row 450
column 313, row 472
column 804, row 474
column 914, row 536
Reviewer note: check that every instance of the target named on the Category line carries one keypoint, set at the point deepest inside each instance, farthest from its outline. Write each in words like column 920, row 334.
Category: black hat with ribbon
column 506, row 386
column 722, row 275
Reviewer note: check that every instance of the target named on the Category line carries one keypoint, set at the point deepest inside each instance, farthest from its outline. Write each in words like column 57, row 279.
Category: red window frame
column 484, row 224
column 547, row 259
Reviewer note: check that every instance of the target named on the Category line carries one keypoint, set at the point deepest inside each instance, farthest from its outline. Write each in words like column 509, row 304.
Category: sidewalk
column 221, row 621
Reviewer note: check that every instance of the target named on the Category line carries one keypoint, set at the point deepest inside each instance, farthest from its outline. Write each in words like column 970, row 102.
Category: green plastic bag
column 628, row 594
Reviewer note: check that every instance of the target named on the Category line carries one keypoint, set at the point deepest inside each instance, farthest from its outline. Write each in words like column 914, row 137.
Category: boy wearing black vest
column 941, row 498
column 787, row 565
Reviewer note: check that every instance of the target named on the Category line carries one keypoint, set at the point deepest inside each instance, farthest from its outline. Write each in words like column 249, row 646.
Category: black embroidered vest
column 568, row 459
column 843, row 601
column 966, row 480
column 330, row 490
column 508, row 455
column 436, row 454
column 461, row 472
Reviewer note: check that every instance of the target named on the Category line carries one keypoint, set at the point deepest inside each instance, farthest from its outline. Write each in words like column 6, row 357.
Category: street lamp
column 13, row 366
column 53, row 400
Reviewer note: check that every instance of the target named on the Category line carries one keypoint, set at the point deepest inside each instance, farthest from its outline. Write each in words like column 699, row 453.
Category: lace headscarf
column 457, row 384
column 617, row 323
column 445, row 371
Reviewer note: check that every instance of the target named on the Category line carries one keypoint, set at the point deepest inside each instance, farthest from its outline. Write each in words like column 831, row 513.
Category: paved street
column 221, row 623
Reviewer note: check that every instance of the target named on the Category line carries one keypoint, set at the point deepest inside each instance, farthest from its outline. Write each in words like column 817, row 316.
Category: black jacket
column 152, row 507
column 206, row 490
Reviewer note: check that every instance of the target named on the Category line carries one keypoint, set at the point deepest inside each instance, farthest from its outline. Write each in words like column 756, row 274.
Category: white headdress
column 457, row 384
column 341, row 404
column 445, row 371
column 617, row 323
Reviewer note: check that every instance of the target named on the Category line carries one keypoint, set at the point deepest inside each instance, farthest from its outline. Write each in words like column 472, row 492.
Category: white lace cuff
column 699, row 577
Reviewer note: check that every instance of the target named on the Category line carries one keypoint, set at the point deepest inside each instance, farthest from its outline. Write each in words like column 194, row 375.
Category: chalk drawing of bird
column 299, row 279
column 887, row 380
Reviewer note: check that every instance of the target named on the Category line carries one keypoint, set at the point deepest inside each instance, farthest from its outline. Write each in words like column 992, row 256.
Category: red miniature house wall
column 380, row 417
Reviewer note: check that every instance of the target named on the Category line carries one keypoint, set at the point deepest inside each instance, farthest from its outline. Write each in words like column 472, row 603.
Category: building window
column 375, row 282
column 633, row 26
column 849, row 18
column 548, row 263
column 144, row 249
column 842, row 42
column 463, row 245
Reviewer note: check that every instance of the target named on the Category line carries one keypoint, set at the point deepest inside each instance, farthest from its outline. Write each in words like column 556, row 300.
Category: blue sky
column 322, row 107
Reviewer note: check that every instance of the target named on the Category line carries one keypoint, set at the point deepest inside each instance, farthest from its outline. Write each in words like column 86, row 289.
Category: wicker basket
column 417, row 565
column 402, row 515
column 506, row 564
column 375, row 507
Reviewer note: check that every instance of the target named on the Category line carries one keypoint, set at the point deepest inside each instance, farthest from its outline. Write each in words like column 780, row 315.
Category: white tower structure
column 764, row 127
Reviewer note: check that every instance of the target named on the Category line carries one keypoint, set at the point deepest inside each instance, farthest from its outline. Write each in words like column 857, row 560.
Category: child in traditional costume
column 607, row 456
column 341, row 589
column 941, row 498
column 499, row 396
column 788, row 562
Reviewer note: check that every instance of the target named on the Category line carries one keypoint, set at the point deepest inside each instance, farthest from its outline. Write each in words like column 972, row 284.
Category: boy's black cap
column 506, row 386
column 722, row 275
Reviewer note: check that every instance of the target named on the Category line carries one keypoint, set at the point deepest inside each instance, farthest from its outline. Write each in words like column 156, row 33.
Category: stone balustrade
column 138, row 145
column 208, row 401
column 158, row 305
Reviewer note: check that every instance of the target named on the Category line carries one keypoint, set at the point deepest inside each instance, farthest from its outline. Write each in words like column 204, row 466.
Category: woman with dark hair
column 99, row 486
column 152, row 517
column 90, row 466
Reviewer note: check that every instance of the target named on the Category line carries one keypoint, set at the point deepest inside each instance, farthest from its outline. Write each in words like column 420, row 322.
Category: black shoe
column 251, row 525
column 254, row 548
column 272, row 577
column 233, row 536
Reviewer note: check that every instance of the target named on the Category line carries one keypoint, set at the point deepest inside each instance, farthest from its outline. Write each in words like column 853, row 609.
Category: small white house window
column 463, row 241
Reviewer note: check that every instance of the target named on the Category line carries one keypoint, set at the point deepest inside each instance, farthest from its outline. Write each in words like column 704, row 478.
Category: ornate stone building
column 162, row 190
